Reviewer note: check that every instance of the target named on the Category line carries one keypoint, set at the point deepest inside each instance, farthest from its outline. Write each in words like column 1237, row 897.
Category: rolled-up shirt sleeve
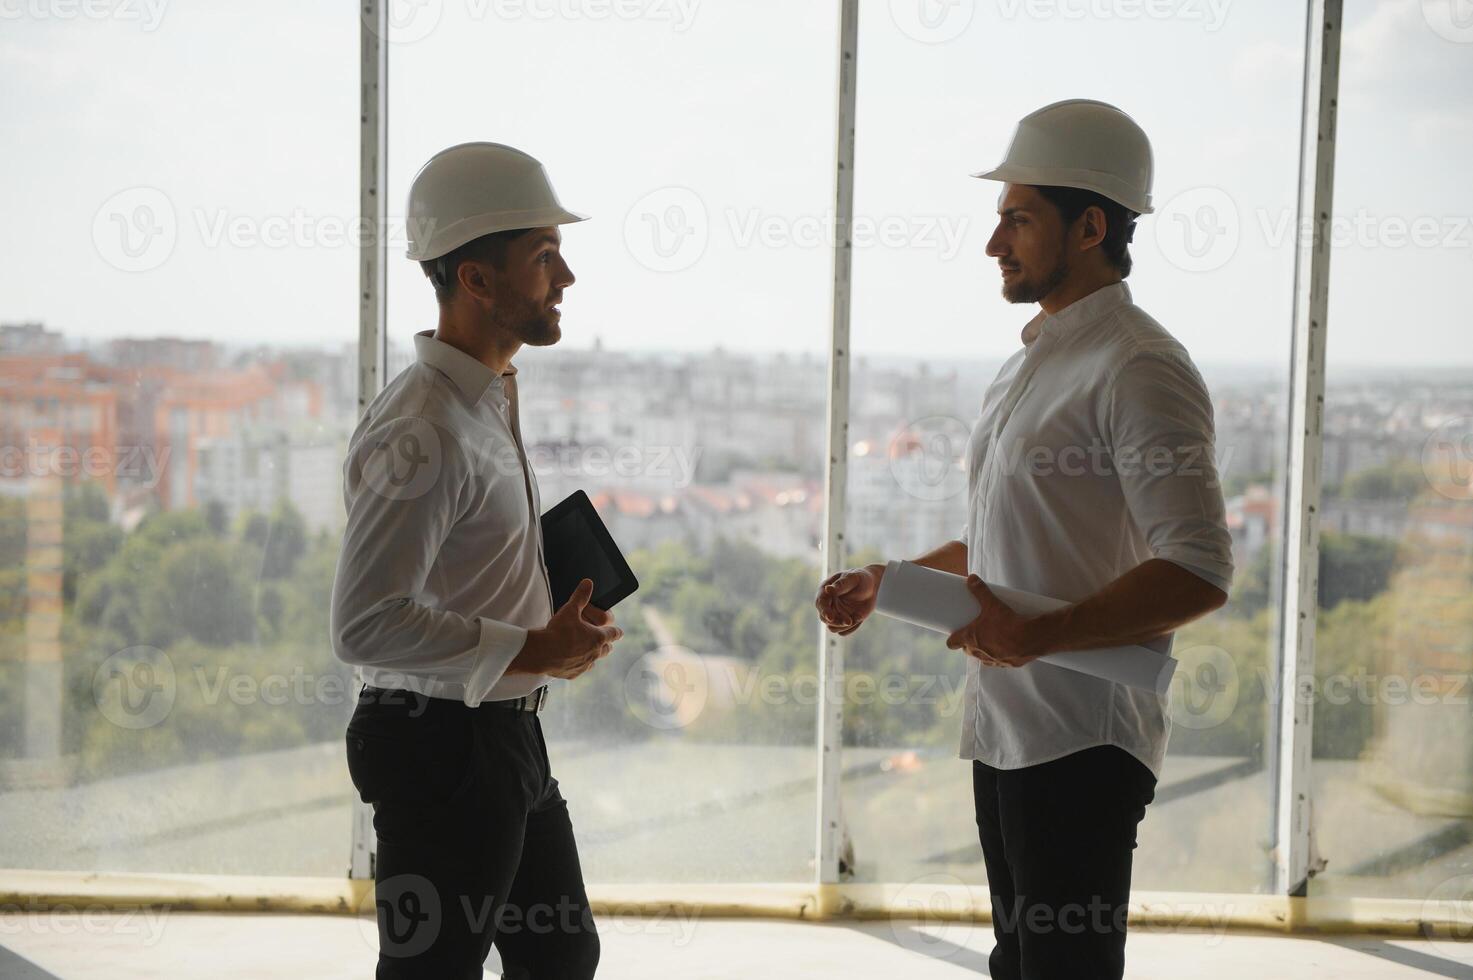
column 1159, row 418
column 401, row 506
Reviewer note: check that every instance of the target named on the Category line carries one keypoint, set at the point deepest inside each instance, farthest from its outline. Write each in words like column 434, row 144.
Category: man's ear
column 1092, row 227
column 476, row 279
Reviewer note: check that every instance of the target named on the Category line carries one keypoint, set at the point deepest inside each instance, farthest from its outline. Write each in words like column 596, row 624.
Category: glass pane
column 939, row 97
column 176, row 385
column 686, row 395
column 1393, row 732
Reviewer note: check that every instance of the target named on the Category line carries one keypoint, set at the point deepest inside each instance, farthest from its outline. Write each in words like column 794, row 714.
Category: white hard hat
column 1081, row 143
column 474, row 189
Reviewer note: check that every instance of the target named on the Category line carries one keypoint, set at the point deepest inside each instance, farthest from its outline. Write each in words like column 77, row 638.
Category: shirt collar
column 469, row 375
column 1082, row 311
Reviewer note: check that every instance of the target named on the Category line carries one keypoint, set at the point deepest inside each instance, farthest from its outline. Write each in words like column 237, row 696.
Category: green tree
column 197, row 592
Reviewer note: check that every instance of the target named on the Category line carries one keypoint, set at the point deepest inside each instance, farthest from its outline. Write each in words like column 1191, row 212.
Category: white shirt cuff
column 500, row 643
column 1213, row 576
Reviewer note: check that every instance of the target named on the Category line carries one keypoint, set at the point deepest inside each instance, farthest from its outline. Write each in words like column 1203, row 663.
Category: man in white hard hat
column 1091, row 479
column 443, row 603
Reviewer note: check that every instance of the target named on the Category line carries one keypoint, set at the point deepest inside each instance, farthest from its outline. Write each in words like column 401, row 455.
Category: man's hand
column 575, row 638
column 998, row 637
column 847, row 598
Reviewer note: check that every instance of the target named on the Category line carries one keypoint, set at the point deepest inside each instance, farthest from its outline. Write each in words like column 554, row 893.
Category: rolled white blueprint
column 941, row 601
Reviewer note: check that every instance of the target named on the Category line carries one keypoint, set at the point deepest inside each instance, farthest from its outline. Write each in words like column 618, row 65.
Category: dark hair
column 444, row 272
column 1119, row 220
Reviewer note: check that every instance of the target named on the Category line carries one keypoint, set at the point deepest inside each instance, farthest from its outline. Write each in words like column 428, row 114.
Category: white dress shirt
column 441, row 571
column 1092, row 454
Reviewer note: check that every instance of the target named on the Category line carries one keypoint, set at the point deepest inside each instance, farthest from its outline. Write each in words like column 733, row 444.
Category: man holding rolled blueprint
column 1096, row 528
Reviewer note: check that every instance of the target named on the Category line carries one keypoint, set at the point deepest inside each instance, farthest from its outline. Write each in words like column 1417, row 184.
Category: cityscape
column 177, row 504
column 671, row 446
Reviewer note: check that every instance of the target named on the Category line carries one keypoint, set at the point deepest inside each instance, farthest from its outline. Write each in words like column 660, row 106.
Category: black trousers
column 1057, row 839
column 474, row 842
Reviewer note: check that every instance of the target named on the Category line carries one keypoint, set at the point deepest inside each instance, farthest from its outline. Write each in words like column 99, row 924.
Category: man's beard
column 533, row 325
column 1024, row 291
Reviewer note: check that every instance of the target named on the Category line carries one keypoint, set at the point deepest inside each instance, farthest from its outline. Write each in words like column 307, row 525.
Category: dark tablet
column 576, row 546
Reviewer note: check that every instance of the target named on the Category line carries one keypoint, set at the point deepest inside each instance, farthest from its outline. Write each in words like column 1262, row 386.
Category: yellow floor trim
column 939, row 902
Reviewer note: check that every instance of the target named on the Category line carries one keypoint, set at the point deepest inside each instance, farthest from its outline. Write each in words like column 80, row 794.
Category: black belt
column 532, row 702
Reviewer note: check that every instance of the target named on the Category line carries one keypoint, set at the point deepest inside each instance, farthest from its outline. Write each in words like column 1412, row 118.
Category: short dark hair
column 1119, row 220
column 444, row 272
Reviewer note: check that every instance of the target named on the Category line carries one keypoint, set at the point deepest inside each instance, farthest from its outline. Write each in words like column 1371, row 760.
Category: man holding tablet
column 442, row 599
column 1091, row 479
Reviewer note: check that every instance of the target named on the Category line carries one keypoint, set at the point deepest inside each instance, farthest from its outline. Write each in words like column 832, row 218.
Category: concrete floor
column 114, row 946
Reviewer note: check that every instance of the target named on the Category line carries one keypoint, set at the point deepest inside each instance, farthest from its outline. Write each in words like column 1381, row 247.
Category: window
column 169, row 699
column 1393, row 733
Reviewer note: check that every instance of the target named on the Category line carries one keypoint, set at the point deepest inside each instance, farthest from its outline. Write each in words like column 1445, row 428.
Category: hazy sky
column 191, row 168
